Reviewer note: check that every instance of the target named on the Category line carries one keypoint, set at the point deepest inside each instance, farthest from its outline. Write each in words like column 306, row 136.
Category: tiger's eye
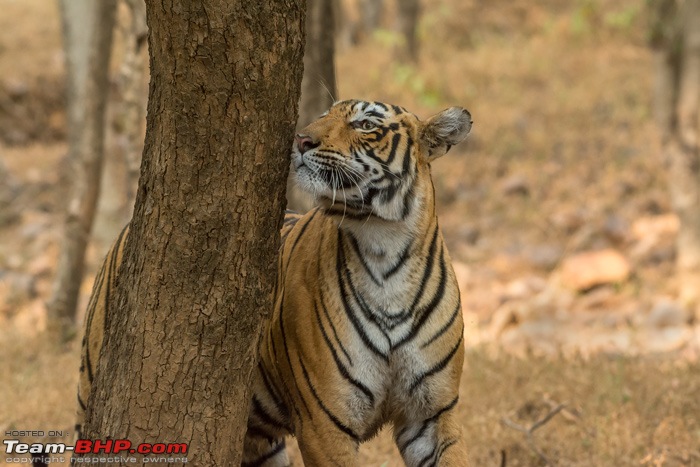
column 367, row 125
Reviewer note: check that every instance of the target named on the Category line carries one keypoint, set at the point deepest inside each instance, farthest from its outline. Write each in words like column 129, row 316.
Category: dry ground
column 562, row 158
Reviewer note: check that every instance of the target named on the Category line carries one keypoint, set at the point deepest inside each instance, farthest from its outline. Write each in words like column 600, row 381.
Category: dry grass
column 617, row 411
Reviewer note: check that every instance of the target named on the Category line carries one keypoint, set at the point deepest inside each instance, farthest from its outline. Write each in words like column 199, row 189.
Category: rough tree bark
column 200, row 262
column 318, row 86
column 87, row 35
column 676, row 41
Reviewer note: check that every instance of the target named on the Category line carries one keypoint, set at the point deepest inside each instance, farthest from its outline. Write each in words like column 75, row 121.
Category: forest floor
column 563, row 160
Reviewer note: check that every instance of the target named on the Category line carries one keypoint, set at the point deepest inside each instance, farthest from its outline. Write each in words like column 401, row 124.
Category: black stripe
column 402, row 260
column 424, row 281
column 366, row 311
column 289, row 360
column 445, row 327
column 259, row 432
column 112, row 274
column 356, row 247
column 426, row 424
column 394, row 146
column 339, row 265
column 428, row 268
column 273, row 348
column 428, row 309
column 341, row 368
column 342, row 427
column 301, row 232
column 408, row 199
column 349, row 214
column 107, row 282
column 81, row 403
column 261, row 460
column 272, row 391
column 407, row 157
column 265, row 416
column 374, row 113
column 335, row 333
column 437, row 367
column 440, row 452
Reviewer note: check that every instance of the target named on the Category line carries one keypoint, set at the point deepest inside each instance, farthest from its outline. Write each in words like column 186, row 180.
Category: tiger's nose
column 304, row 143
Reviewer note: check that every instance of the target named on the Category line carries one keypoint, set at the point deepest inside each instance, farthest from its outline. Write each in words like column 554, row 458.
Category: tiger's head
column 363, row 159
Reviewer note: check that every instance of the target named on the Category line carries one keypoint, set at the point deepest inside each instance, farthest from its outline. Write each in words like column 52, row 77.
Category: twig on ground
column 528, row 431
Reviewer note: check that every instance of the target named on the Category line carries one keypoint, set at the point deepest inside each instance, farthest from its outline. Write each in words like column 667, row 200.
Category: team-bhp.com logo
column 119, row 449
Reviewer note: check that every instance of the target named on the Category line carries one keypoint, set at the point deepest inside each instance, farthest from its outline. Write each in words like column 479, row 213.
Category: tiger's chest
column 359, row 331
column 386, row 325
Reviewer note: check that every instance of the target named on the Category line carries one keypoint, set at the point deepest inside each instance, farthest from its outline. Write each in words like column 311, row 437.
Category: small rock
column 469, row 233
column 667, row 313
column 523, row 288
column 503, row 318
column 16, row 89
column 545, row 256
column 568, row 221
column 668, row 339
column 585, row 270
column 616, row 229
column 597, row 298
column 515, row 185
column 41, row 266
column 655, row 226
column 16, row 287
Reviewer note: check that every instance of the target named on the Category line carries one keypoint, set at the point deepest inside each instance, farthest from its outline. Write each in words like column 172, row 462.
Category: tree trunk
column 408, row 15
column 371, row 13
column 676, row 37
column 318, row 88
column 132, row 79
column 128, row 121
column 87, row 33
column 199, row 267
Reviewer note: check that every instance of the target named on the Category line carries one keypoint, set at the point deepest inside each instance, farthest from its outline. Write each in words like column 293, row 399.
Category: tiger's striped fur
column 94, row 327
column 367, row 327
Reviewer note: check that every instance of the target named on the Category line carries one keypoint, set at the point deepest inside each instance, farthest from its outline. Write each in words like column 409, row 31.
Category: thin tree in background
column 408, row 16
column 200, row 262
column 87, row 35
column 318, row 87
column 132, row 78
column 127, row 116
column 371, row 15
column 675, row 37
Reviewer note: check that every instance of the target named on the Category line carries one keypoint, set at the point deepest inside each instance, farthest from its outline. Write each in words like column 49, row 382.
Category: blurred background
column 571, row 213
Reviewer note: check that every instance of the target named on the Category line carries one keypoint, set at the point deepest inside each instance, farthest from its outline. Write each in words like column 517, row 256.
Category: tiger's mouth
column 325, row 176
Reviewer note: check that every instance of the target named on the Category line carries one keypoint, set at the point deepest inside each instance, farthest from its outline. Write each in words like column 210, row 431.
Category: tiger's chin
column 308, row 181
column 317, row 186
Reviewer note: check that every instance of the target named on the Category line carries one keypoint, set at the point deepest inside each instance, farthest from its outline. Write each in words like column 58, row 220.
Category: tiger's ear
column 444, row 130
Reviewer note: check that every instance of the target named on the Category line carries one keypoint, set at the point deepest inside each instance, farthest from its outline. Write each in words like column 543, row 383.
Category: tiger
column 367, row 326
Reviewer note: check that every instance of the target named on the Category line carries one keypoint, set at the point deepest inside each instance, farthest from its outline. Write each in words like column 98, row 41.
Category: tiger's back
column 94, row 327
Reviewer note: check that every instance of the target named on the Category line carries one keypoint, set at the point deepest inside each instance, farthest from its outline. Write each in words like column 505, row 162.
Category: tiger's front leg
column 322, row 443
column 435, row 441
column 260, row 451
